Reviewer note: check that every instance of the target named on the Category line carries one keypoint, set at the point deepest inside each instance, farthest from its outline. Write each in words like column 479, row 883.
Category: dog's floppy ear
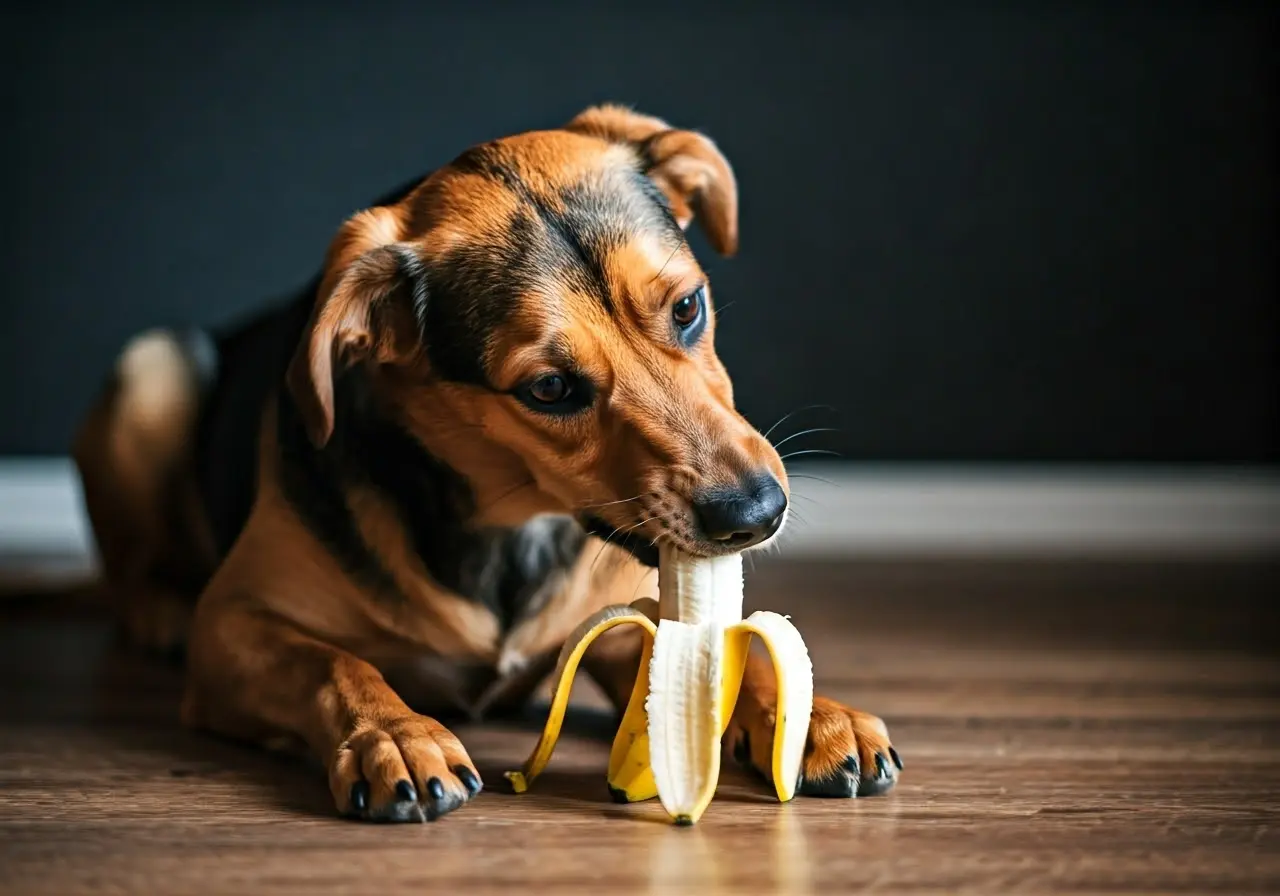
column 368, row 308
column 686, row 165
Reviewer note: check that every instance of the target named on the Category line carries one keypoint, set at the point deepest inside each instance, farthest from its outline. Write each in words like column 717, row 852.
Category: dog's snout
column 743, row 516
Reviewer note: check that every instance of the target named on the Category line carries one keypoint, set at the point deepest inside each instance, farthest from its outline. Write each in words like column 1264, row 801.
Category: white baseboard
column 1036, row 510
column 866, row 510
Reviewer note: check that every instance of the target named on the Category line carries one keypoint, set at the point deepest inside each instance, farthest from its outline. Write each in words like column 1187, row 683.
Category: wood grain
column 1066, row 727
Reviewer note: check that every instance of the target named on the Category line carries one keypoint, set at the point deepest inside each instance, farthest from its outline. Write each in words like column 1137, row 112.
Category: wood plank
column 1076, row 727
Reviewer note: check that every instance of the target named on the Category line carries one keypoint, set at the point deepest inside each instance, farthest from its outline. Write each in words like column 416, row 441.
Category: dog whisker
column 611, row 534
column 600, row 552
column 804, row 432
column 658, row 538
column 637, row 589
column 791, row 475
column 811, row 451
column 786, row 417
column 665, row 263
column 609, row 503
column 630, row 529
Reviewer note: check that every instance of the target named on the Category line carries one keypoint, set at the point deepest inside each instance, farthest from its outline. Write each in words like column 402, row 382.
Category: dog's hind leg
column 134, row 456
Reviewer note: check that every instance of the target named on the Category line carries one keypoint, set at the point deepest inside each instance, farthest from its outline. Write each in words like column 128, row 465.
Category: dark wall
column 976, row 230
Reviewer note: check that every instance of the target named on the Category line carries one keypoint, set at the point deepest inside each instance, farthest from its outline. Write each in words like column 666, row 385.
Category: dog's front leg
column 254, row 676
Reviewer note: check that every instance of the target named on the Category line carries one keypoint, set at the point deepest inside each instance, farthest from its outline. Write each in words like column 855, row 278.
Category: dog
column 399, row 491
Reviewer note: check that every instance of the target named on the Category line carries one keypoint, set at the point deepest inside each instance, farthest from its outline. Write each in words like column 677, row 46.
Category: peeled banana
column 696, row 643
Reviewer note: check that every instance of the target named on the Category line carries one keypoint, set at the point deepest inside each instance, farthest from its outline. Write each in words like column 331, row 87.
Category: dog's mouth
column 634, row 543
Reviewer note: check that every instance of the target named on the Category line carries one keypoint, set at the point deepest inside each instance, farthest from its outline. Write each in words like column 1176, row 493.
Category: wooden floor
column 1065, row 727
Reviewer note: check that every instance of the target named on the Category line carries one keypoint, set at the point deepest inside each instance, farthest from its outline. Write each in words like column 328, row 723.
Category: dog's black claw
column 469, row 779
column 850, row 765
column 882, row 782
column 897, row 760
column 840, row 785
column 405, row 792
column 435, row 787
column 360, row 796
column 742, row 749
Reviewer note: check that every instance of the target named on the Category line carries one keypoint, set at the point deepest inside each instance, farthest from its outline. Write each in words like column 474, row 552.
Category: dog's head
column 533, row 314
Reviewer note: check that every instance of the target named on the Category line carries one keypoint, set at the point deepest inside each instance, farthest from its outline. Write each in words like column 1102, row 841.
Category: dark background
column 979, row 231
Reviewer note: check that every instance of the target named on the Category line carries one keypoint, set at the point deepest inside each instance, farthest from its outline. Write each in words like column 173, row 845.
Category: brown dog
column 467, row 435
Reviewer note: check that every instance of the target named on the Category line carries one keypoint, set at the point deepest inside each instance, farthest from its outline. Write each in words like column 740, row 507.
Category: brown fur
column 285, row 645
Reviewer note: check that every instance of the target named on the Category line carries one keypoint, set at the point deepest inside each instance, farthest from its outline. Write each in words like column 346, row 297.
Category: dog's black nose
column 741, row 517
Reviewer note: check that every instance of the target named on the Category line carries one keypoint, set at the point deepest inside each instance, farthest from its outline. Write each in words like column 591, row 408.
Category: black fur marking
column 659, row 199
column 637, row 545
column 252, row 358
column 566, row 241
column 512, row 572
column 473, row 291
column 583, row 234
column 312, row 481
column 412, row 271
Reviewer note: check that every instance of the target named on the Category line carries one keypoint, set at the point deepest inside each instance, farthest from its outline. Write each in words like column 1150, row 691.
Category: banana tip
column 518, row 781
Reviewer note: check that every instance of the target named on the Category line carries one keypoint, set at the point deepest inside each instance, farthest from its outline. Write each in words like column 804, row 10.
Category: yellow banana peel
column 694, row 656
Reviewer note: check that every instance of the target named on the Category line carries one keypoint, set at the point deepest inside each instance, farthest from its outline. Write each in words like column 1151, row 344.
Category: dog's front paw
column 847, row 754
column 408, row 769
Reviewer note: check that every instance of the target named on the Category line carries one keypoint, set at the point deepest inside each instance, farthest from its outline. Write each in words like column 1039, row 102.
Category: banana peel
column 668, row 743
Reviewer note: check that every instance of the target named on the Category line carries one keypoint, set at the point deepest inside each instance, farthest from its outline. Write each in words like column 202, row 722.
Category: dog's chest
column 517, row 583
column 476, row 689
column 516, row 573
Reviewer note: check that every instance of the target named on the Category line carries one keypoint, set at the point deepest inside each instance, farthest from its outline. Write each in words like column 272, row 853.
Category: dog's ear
column 367, row 309
column 686, row 165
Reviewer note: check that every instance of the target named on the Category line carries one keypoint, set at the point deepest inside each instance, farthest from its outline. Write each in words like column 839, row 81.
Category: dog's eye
column 686, row 311
column 550, row 389
column 557, row 394
column 690, row 316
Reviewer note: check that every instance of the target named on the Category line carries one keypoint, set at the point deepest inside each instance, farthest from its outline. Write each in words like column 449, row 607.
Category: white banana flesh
column 699, row 590
column 684, row 716
column 669, row 742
